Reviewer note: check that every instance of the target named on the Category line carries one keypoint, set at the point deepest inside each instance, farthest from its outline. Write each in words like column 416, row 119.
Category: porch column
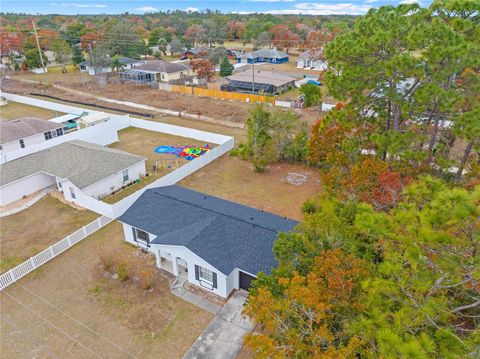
column 159, row 258
column 174, row 266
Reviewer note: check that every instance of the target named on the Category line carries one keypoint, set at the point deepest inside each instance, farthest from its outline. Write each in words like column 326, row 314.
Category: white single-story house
column 215, row 244
column 157, row 71
column 24, row 132
column 128, row 63
column 312, row 60
column 74, row 168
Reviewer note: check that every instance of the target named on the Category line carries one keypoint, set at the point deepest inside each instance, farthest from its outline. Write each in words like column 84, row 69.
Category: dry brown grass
column 234, row 179
column 32, row 230
column 14, row 110
column 143, row 142
column 147, row 323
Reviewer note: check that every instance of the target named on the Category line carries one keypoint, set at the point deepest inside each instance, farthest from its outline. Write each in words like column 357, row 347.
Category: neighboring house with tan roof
column 157, row 71
column 24, row 132
column 312, row 60
column 74, row 168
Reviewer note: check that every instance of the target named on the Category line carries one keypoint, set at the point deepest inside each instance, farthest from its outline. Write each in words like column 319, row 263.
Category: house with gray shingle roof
column 216, row 244
column 127, row 63
column 27, row 131
column 75, row 168
column 157, row 71
column 272, row 56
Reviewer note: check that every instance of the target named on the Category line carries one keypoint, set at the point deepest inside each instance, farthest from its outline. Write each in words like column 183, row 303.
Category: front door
column 245, row 280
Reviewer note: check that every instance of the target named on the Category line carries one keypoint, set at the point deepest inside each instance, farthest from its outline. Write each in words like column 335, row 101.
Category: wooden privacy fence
column 245, row 97
column 51, row 252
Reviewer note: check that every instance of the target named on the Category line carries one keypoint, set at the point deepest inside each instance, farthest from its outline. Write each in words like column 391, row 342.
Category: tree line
column 386, row 262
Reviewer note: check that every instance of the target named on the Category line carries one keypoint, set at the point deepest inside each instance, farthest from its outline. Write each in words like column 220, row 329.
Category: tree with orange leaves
column 284, row 37
column 307, row 319
column 203, row 68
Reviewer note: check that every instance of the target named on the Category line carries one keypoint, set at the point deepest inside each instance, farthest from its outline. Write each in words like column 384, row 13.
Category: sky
column 72, row 7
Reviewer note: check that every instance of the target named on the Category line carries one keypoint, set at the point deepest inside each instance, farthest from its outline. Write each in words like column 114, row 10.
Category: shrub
column 309, row 206
column 107, row 258
column 146, row 278
column 312, row 93
column 123, row 268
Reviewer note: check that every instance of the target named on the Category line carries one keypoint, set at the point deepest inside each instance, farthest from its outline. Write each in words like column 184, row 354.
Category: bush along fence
column 51, row 252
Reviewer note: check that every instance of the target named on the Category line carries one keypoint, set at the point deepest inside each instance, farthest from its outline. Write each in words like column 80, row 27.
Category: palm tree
column 116, row 64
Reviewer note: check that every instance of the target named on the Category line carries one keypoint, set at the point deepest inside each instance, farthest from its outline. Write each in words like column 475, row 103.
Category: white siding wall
column 232, row 280
column 172, row 252
column 15, row 145
column 114, row 182
column 25, row 186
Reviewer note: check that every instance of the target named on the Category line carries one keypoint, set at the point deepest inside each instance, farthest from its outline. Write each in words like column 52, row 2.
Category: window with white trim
column 206, row 277
column 206, row 274
column 139, row 235
column 22, row 144
column 72, row 193
column 48, row 135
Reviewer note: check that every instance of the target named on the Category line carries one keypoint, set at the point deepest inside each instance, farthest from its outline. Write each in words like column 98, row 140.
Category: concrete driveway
column 223, row 338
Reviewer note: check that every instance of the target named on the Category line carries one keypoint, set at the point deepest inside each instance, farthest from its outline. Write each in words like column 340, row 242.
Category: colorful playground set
column 187, row 152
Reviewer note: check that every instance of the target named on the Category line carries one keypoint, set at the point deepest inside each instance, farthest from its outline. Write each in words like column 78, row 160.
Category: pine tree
column 226, row 68
column 77, row 55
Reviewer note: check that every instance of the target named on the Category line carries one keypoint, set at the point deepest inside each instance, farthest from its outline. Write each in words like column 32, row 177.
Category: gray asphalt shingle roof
column 24, row 127
column 123, row 60
column 82, row 163
column 266, row 53
column 262, row 77
column 227, row 235
column 162, row 66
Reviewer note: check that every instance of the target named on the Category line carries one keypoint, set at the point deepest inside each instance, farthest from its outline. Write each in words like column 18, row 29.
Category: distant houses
column 312, row 60
column 272, row 56
column 267, row 82
column 127, row 63
column 157, row 71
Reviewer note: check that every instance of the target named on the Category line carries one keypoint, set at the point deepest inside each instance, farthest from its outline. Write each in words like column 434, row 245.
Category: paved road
column 223, row 338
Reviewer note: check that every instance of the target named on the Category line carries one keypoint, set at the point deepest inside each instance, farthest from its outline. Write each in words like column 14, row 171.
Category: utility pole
column 38, row 46
column 253, row 76
column 91, row 57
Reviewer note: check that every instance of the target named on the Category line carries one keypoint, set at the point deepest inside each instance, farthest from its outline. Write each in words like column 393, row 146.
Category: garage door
column 245, row 280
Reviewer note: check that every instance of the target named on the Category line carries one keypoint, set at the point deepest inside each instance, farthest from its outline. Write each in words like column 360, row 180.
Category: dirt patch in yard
column 233, row 179
column 97, row 315
column 32, row 230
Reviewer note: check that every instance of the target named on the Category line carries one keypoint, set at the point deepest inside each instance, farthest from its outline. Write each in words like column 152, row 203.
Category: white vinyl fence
column 54, row 250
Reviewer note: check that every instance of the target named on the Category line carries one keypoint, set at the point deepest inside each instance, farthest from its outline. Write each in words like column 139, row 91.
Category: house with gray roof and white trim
column 215, row 244
column 72, row 167
column 24, row 132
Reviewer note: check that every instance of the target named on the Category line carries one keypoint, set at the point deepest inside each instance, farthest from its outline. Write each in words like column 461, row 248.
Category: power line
column 52, row 325
column 77, row 321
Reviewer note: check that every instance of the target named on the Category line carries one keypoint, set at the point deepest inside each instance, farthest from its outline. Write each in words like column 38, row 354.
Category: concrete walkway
column 24, row 205
column 177, row 289
column 223, row 338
